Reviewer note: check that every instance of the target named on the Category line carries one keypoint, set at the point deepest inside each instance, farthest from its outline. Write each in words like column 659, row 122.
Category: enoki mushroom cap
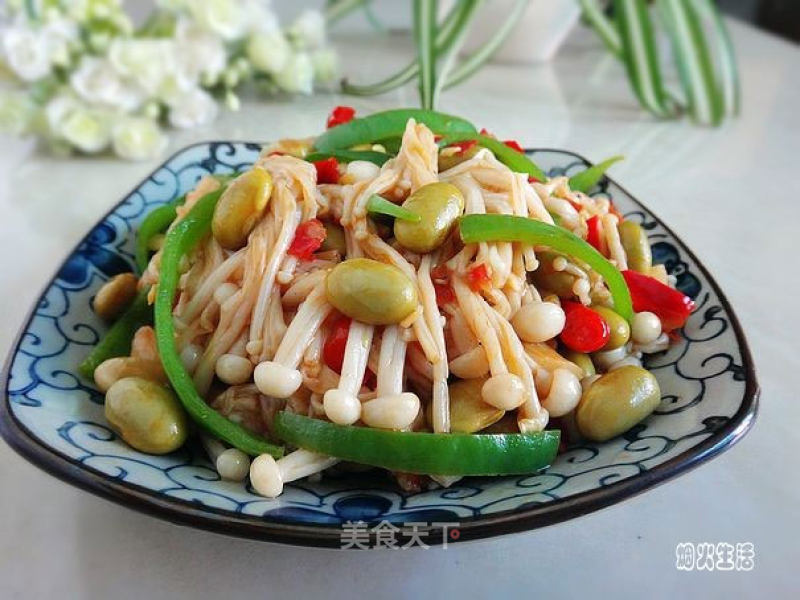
column 504, row 391
column 340, row 407
column 266, row 476
column 395, row 411
column 277, row 380
column 564, row 395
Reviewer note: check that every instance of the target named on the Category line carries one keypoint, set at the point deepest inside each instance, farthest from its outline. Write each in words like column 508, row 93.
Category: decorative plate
column 54, row 418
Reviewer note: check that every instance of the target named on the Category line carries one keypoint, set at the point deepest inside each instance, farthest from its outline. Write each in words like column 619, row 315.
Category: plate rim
column 187, row 513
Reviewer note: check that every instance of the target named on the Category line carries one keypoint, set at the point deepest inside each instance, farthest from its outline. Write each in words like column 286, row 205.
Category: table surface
column 725, row 191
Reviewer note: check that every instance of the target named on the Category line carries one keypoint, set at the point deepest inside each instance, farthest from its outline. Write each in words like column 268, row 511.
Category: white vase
column 539, row 32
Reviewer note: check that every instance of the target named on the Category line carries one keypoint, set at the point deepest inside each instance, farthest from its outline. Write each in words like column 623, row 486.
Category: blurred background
column 777, row 16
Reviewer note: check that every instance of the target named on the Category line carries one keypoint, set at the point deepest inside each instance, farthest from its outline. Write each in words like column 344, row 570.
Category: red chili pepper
column 341, row 114
column 574, row 205
column 532, row 179
column 444, row 294
column 514, row 145
column 585, row 330
column 327, row 170
column 649, row 294
column 440, row 272
column 478, row 278
column 335, row 344
column 485, row 131
column 593, row 236
column 464, row 145
column 307, row 239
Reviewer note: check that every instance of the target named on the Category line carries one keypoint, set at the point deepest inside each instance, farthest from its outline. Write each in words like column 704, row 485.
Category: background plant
column 79, row 75
column 701, row 52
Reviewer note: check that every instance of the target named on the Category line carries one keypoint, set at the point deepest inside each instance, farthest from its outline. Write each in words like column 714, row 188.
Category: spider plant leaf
column 337, row 9
column 477, row 59
column 603, row 26
column 720, row 40
column 590, row 177
column 424, row 31
column 461, row 30
column 693, row 60
column 444, row 38
column 640, row 54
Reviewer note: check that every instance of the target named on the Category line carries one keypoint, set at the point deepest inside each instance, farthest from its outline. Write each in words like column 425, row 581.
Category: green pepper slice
column 514, row 160
column 379, row 205
column 505, row 228
column 117, row 340
column 388, row 124
column 428, row 453
column 590, row 177
column 180, row 239
column 154, row 223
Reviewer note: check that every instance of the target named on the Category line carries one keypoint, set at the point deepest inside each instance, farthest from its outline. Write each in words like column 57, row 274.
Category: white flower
column 96, row 80
column 88, row 129
column 137, row 138
column 16, row 112
column 198, row 53
column 58, row 108
column 308, row 30
column 268, row 52
column 326, row 64
column 297, row 75
column 223, row 17
column 109, row 11
column 26, row 53
column 60, row 36
column 191, row 109
column 173, row 88
column 148, row 62
column 259, row 16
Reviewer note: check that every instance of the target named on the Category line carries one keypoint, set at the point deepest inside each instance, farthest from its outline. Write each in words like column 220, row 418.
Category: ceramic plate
column 54, row 418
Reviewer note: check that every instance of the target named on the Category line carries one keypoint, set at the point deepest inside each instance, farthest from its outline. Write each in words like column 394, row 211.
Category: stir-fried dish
column 400, row 292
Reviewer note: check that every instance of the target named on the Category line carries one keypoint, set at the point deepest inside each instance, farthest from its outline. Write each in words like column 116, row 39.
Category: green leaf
column 478, row 58
column 640, row 54
column 337, row 9
column 444, row 39
column 587, row 179
column 30, row 10
column 461, row 29
column 693, row 60
column 381, row 206
column 424, row 31
column 720, row 39
column 602, row 26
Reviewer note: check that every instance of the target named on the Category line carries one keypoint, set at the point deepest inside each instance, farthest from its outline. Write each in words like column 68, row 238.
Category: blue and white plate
column 54, row 418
